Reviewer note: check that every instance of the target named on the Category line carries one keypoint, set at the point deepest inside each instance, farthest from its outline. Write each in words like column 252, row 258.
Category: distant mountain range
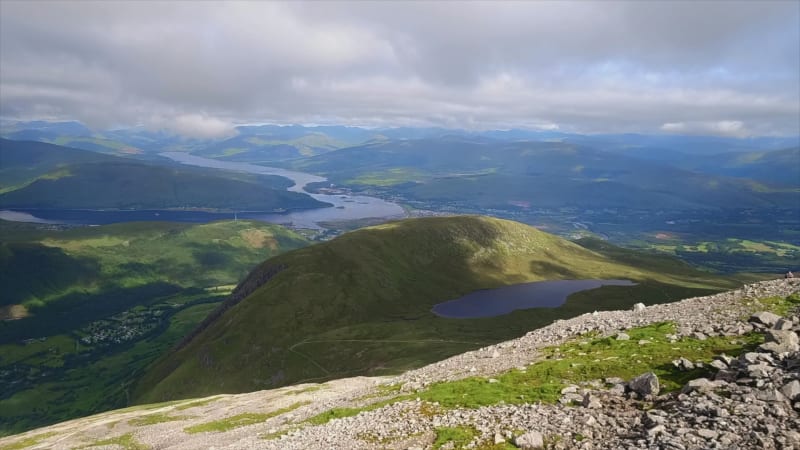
column 496, row 174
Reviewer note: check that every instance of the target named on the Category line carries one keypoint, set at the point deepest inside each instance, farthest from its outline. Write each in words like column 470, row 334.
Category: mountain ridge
column 379, row 283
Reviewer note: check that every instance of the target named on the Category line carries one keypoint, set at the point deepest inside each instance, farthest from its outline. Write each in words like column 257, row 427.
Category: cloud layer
column 728, row 68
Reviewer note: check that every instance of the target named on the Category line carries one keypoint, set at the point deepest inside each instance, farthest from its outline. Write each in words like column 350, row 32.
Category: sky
column 199, row 68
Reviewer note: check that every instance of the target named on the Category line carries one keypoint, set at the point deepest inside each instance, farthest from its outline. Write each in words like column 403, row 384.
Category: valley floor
column 562, row 386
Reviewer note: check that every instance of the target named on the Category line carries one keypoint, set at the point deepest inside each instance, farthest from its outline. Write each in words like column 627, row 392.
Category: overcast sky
column 196, row 68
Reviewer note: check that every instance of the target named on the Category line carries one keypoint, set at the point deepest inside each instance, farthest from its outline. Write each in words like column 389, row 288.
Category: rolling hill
column 39, row 175
column 360, row 304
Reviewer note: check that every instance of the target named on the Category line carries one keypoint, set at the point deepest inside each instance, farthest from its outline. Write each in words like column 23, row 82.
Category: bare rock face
column 645, row 384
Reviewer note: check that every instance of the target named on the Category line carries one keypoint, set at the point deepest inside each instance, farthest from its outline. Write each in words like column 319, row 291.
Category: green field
column 360, row 304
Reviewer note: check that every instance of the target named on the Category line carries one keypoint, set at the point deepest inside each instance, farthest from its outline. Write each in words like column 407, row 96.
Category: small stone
column 639, row 307
column 707, row 434
column 495, row 354
column 765, row 318
column 623, row 337
column 699, row 336
column 683, row 364
column 493, row 380
column 783, row 324
column 569, row 390
column 498, row 438
column 700, row 384
column 658, row 429
column 591, row 402
column 719, row 365
column 791, row 390
column 530, row 440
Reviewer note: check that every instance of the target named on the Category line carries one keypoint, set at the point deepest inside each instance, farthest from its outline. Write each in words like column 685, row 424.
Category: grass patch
column 339, row 413
column 305, row 390
column 196, row 404
column 459, row 436
column 591, row 359
column 126, row 441
column 152, row 419
column 240, row 420
column 27, row 442
column 781, row 306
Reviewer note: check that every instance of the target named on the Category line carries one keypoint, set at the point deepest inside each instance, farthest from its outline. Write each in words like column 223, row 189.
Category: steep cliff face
column 718, row 369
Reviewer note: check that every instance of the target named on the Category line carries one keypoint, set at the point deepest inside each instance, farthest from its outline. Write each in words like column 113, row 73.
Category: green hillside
column 38, row 175
column 360, row 304
column 94, row 305
column 24, row 161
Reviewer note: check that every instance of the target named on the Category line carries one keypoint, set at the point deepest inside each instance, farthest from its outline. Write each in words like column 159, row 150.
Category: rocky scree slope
column 703, row 398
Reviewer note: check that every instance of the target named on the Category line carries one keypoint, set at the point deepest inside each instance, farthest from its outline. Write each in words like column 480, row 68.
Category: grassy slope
column 361, row 303
column 92, row 273
column 22, row 162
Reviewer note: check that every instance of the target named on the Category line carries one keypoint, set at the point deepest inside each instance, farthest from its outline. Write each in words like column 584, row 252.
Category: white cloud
column 194, row 126
column 727, row 68
column 730, row 128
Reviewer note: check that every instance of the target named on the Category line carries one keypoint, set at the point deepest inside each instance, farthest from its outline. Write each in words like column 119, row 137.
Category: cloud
column 194, row 126
column 731, row 128
column 578, row 66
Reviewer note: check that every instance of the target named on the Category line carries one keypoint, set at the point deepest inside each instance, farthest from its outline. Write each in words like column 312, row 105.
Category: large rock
column 781, row 341
column 765, row 318
column 639, row 307
column 530, row 440
column 645, row 384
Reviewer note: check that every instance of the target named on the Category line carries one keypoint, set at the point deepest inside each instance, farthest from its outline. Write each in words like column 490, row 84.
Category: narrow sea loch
column 503, row 300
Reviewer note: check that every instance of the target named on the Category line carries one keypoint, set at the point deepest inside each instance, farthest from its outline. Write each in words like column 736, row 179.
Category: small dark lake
column 503, row 300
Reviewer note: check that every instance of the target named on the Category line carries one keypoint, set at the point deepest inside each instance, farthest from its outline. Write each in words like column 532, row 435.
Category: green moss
column 459, row 436
column 27, row 442
column 305, row 390
column 781, row 305
column 152, row 419
column 196, row 404
column 240, row 420
column 126, row 441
